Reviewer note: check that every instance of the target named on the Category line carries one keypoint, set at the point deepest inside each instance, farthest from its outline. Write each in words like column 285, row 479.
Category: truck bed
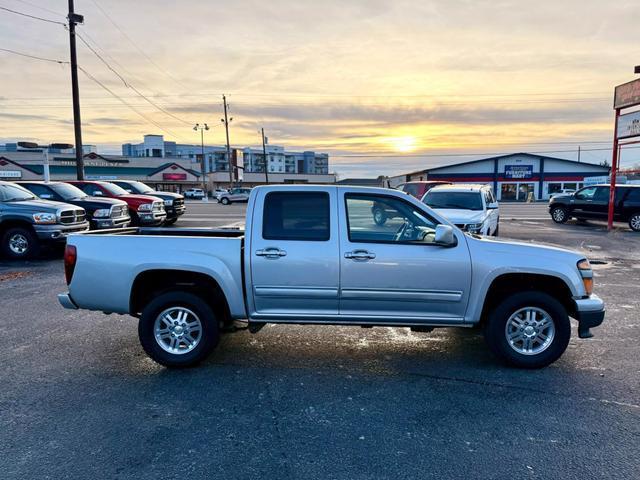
column 117, row 256
column 171, row 232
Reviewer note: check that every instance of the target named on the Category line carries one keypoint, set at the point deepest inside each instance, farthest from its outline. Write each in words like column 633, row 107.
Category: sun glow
column 404, row 144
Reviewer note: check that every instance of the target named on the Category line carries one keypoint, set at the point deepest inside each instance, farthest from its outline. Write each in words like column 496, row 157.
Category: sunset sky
column 384, row 86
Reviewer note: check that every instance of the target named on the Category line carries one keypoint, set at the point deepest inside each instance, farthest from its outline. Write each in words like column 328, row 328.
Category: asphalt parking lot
column 80, row 399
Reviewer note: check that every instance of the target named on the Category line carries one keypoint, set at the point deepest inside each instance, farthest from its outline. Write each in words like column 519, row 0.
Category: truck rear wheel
column 19, row 243
column 634, row 222
column 528, row 330
column 178, row 329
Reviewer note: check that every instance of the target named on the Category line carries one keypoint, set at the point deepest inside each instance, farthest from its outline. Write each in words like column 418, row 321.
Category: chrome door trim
column 402, row 295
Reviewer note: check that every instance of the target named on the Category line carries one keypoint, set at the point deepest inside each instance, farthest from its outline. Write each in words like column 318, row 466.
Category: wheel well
column 151, row 283
column 7, row 224
column 519, row 282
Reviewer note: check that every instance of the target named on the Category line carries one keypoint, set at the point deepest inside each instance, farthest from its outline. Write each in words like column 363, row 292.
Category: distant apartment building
column 252, row 159
column 281, row 161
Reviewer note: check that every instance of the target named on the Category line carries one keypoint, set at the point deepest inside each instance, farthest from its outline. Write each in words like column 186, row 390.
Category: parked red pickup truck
column 143, row 209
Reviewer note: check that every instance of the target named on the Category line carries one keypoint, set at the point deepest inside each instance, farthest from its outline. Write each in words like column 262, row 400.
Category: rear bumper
column 66, row 301
column 58, row 232
column 589, row 313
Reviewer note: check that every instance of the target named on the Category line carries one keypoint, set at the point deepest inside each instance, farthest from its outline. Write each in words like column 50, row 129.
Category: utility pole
column 74, row 19
column 264, row 154
column 578, row 153
column 226, row 121
column 202, row 128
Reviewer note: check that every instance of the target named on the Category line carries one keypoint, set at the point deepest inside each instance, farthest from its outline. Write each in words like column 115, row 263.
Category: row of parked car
column 35, row 212
column 222, row 195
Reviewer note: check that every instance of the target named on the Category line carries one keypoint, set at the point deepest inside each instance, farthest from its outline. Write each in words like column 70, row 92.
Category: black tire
column 210, row 331
column 225, row 201
column 171, row 221
column 495, row 333
column 135, row 220
column 634, row 222
column 559, row 214
column 27, row 239
column 379, row 216
column 497, row 231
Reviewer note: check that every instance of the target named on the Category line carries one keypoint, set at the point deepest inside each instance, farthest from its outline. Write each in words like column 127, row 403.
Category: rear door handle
column 360, row 255
column 271, row 252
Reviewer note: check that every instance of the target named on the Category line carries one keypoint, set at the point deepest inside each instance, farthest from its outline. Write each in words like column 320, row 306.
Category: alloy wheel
column 177, row 330
column 530, row 331
column 18, row 244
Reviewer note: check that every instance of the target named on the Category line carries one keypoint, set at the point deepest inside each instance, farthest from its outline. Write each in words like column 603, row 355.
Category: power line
column 115, row 95
column 124, row 34
column 35, row 57
column 129, row 85
column 44, row 9
column 33, row 16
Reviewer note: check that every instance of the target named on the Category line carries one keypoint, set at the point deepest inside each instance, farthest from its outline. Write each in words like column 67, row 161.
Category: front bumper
column 152, row 218
column 175, row 212
column 66, row 301
column 107, row 222
column 58, row 232
column 590, row 313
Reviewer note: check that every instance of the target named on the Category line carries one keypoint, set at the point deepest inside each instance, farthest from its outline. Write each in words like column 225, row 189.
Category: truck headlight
column 168, row 203
column 145, row 207
column 474, row 227
column 44, row 218
column 102, row 213
column 587, row 275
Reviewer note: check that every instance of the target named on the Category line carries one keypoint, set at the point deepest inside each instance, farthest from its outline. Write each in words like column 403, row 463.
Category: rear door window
column 300, row 216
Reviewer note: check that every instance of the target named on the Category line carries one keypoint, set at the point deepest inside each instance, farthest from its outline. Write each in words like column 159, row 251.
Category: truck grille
column 178, row 202
column 70, row 217
column 118, row 211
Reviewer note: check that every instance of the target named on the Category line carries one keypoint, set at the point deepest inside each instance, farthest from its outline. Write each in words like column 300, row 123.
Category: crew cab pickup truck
column 26, row 222
column 314, row 255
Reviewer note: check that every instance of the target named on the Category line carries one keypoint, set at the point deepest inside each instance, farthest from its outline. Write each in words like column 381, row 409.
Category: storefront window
column 555, row 188
column 570, row 186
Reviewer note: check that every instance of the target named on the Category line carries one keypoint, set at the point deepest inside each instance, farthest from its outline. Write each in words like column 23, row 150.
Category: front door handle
column 360, row 255
column 271, row 252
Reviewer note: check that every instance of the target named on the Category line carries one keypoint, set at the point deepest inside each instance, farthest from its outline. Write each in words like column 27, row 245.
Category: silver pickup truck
column 315, row 255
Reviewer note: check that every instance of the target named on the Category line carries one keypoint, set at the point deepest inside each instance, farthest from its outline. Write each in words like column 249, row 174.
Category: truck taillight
column 70, row 257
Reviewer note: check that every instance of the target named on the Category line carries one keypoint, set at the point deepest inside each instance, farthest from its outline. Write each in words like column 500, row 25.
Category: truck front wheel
column 20, row 243
column 528, row 330
column 178, row 329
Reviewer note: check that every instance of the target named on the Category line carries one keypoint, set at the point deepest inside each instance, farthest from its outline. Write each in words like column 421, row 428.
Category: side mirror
column 492, row 206
column 444, row 236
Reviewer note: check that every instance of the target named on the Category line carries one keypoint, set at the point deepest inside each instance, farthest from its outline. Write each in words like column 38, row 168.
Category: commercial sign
column 10, row 174
column 629, row 125
column 627, row 94
column 600, row 179
column 518, row 171
column 174, row 176
column 101, row 177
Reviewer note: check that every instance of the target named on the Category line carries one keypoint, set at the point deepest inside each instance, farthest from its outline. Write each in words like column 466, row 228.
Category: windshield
column 67, row 192
column 114, row 189
column 138, row 187
column 461, row 200
column 14, row 193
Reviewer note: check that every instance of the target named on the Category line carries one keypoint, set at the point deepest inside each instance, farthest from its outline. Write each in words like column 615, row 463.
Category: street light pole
column 264, row 154
column 202, row 128
column 45, row 157
column 226, row 121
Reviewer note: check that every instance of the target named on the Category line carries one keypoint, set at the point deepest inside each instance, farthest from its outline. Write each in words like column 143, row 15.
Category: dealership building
column 514, row 176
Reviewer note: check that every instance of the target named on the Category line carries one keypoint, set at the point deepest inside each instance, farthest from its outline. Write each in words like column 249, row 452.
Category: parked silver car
column 234, row 195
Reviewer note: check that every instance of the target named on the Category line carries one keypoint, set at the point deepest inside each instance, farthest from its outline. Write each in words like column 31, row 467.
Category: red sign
column 627, row 94
column 174, row 176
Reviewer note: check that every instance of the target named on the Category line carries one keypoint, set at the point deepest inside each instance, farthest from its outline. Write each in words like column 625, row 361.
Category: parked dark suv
column 593, row 202
column 101, row 212
column 26, row 222
column 173, row 202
